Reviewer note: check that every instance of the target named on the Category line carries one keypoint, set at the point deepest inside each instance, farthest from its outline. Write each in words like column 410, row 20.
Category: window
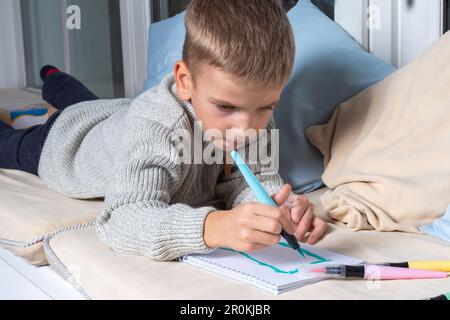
column 92, row 54
column 163, row 9
column 446, row 15
column 327, row 7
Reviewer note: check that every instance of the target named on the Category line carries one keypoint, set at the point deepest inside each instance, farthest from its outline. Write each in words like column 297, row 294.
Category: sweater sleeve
column 234, row 189
column 137, row 217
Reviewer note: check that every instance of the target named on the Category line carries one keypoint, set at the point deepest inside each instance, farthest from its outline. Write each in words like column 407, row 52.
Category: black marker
column 444, row 297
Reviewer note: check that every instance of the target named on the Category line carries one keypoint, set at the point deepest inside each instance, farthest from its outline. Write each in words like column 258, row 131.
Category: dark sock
column 47, row 71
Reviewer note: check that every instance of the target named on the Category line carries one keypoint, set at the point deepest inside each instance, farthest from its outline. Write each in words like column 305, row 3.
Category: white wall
column 12, row 69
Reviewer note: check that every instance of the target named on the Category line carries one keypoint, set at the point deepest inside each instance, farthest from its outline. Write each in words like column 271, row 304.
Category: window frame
column 12, row 51
column 394, row 41
column 351, row 15
column 136, row 16
column 135, row 22
column 446, row 16
column 136, row 19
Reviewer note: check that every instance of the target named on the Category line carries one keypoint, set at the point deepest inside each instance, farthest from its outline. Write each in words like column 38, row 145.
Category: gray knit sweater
column 125, row 152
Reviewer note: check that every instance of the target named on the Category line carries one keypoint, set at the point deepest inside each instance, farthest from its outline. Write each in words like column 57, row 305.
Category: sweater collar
column 169, row 82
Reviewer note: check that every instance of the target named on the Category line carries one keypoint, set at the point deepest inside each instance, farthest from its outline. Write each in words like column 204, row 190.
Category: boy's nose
column 246, row 123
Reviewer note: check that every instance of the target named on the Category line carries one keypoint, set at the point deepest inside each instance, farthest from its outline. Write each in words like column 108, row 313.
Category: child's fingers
column 261, row 238
column 305, row 224
column 254, row 247
column 318, row 229
column 302, row 200
column 291, row 201
column 282, row 195
column 282, row 215
column 285, row 220
column 297, row 213
column 266, row 224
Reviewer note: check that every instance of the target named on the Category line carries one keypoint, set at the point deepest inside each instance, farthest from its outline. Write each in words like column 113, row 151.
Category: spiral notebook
column 276, row 269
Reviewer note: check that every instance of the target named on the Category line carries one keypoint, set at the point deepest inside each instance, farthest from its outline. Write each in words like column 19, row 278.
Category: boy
column 237, row 57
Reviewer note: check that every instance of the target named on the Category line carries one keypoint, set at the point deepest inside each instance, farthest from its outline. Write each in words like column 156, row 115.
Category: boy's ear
column 183, row 80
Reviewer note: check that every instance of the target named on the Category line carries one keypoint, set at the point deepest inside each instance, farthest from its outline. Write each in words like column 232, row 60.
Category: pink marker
column 374, row 272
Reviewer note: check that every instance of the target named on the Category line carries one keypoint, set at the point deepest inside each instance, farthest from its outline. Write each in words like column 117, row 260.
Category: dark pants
column 21, row 149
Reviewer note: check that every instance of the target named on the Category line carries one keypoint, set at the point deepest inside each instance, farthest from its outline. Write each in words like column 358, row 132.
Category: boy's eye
column 225, row 108
column 272, row 108
column 230, row 108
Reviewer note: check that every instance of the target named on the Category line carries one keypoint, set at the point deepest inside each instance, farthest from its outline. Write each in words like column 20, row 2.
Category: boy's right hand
column 248, row 227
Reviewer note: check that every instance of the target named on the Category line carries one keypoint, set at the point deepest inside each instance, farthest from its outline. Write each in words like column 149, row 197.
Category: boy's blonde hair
column 250, row 39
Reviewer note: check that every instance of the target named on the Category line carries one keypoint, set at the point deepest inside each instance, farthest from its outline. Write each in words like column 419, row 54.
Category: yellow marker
column 430, row 265
column 443, row 265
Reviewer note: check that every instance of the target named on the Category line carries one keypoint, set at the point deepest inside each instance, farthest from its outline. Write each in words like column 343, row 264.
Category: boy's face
column 227, row 104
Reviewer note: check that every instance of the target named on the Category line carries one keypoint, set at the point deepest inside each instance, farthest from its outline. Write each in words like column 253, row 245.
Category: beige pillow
column 387, row 150
column 29, row 211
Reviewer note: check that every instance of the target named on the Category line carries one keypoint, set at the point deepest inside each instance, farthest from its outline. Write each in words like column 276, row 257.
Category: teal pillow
column 330, row 67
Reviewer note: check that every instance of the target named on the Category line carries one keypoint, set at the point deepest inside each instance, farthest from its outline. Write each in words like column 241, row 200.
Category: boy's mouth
column 235, row 143
column 230, row 144
column 226, row 144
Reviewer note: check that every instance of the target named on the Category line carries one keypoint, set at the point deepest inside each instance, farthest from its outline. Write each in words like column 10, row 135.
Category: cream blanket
column 387, row 150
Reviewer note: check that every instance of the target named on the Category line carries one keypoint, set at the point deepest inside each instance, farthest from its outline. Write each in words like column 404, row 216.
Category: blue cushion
column 330, row 68
column 165, row 48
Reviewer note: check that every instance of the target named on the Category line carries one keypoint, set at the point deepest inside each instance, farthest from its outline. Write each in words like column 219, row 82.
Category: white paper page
column 274, row 269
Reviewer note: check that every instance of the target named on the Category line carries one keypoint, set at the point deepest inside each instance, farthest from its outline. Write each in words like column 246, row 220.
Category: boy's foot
column 48, row 70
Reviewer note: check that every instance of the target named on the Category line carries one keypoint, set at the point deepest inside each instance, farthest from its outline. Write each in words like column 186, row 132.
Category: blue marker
column 262, row 195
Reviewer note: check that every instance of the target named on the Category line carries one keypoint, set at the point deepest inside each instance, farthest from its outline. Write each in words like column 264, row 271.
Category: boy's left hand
column 309, row 228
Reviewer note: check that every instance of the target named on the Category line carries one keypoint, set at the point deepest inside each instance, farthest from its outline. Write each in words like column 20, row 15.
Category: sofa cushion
column 101, row 273
column 29, row 211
